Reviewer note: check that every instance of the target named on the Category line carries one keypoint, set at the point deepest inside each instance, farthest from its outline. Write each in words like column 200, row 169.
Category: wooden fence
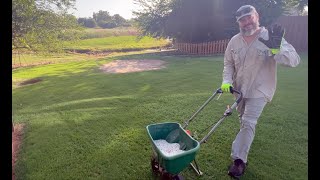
column 296, row 34
column 206, row 48
column 296, row 31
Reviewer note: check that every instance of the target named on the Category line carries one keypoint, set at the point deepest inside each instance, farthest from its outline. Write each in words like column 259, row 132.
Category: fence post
column 207, row 47
column 192, row 48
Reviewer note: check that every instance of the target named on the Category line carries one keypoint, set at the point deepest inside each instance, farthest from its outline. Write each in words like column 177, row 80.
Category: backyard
column 81, row 122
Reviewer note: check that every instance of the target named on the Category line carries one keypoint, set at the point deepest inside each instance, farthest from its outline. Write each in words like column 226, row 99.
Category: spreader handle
column 227, row 113
column 232, row 90
column 218, row 91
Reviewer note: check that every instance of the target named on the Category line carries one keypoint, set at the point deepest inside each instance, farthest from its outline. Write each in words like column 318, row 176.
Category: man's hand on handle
column 225, row 87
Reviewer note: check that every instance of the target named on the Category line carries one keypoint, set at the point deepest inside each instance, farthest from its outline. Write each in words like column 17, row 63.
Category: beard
column 249, row 29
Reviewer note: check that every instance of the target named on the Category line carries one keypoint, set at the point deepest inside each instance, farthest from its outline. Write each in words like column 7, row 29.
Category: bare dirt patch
column 16, row 140
column 127, row 66
column 30, row 81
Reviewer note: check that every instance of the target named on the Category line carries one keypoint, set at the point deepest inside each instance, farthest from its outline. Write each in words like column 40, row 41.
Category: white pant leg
column 249, row 111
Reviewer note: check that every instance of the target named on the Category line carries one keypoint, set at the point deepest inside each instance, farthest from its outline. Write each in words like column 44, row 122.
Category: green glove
column 225, row 87
column 276, row 33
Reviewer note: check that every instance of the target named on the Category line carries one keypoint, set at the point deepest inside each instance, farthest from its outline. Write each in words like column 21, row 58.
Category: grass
column 24, row 59
column 118, row 43
column 84, row 124
column 101, row 33
column 87, row 48
column 114, row 41
column 29, row 59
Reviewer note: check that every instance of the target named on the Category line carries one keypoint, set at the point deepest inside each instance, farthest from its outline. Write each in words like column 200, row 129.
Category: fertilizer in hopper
column 168, row 149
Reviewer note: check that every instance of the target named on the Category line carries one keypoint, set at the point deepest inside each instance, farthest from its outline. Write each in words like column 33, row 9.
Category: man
column 250, row 64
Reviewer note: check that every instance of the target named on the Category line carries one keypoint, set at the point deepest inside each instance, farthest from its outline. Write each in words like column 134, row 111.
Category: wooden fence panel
column 205, row 48
column 296, row 31
column 211, row 48
column 195, row 49
column 296, row 34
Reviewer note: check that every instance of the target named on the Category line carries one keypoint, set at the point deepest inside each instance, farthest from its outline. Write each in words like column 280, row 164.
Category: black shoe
column 237, row 168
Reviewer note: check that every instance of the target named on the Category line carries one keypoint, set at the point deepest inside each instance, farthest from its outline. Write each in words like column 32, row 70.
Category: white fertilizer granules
column 168, row 149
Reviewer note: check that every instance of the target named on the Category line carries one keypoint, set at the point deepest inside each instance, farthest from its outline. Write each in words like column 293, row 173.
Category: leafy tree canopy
column 43, row 25
column 200, row 20
column 103, row 19
column 298, row 5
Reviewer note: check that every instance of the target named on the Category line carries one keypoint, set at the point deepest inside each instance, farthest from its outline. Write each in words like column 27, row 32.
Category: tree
column 269, row 10
column 295, row 6
column 105, row 20
column 102, row 16
column 198, row 21
column 87, row 22
column 109, row 25
column 41, row 25
column 118, row 20
column 152, row 18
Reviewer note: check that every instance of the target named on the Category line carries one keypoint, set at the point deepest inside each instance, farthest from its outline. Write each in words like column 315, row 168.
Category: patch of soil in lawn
column 127, row 66
column 30, row 81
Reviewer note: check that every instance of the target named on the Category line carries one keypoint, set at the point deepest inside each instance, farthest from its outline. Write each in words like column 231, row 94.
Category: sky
column 86, row 8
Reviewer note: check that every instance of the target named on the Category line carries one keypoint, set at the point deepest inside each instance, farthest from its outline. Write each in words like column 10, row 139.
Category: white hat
column 245, row 10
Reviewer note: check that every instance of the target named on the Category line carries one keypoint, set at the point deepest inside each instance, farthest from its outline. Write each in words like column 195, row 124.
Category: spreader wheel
column 155, row 166
column 178, row 177
column 157, row 170
column 167, row 176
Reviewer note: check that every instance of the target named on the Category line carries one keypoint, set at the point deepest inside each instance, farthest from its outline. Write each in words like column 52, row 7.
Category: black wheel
column 159, row 171
column 155, row 166
column 167, row 176
column 178, row 177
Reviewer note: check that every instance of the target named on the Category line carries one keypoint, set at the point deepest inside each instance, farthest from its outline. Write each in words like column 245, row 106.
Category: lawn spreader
column 168, row 163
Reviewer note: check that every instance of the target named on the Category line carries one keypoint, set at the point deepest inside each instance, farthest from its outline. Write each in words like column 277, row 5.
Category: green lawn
column 100, row 33
column 118, row 43
column 85, row 124
column 35, row 59
column 113, row 46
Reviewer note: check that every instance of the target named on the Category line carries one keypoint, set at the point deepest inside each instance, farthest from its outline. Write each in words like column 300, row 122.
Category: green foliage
column 118, row 20
column 199, row 21
column 152, row 18
column 104, row 24
column 268, row 10
column 101, row 33
column 102, row 16
column 117, row 43
column 87, row 22
column 104, row 20
column 299, row 5
column 43, row 26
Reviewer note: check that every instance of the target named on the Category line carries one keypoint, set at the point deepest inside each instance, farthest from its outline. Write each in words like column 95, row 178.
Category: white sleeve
column 287, row 55
column 228, row 68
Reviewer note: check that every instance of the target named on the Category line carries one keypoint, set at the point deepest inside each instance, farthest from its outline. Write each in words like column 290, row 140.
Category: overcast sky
column 86, row 8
